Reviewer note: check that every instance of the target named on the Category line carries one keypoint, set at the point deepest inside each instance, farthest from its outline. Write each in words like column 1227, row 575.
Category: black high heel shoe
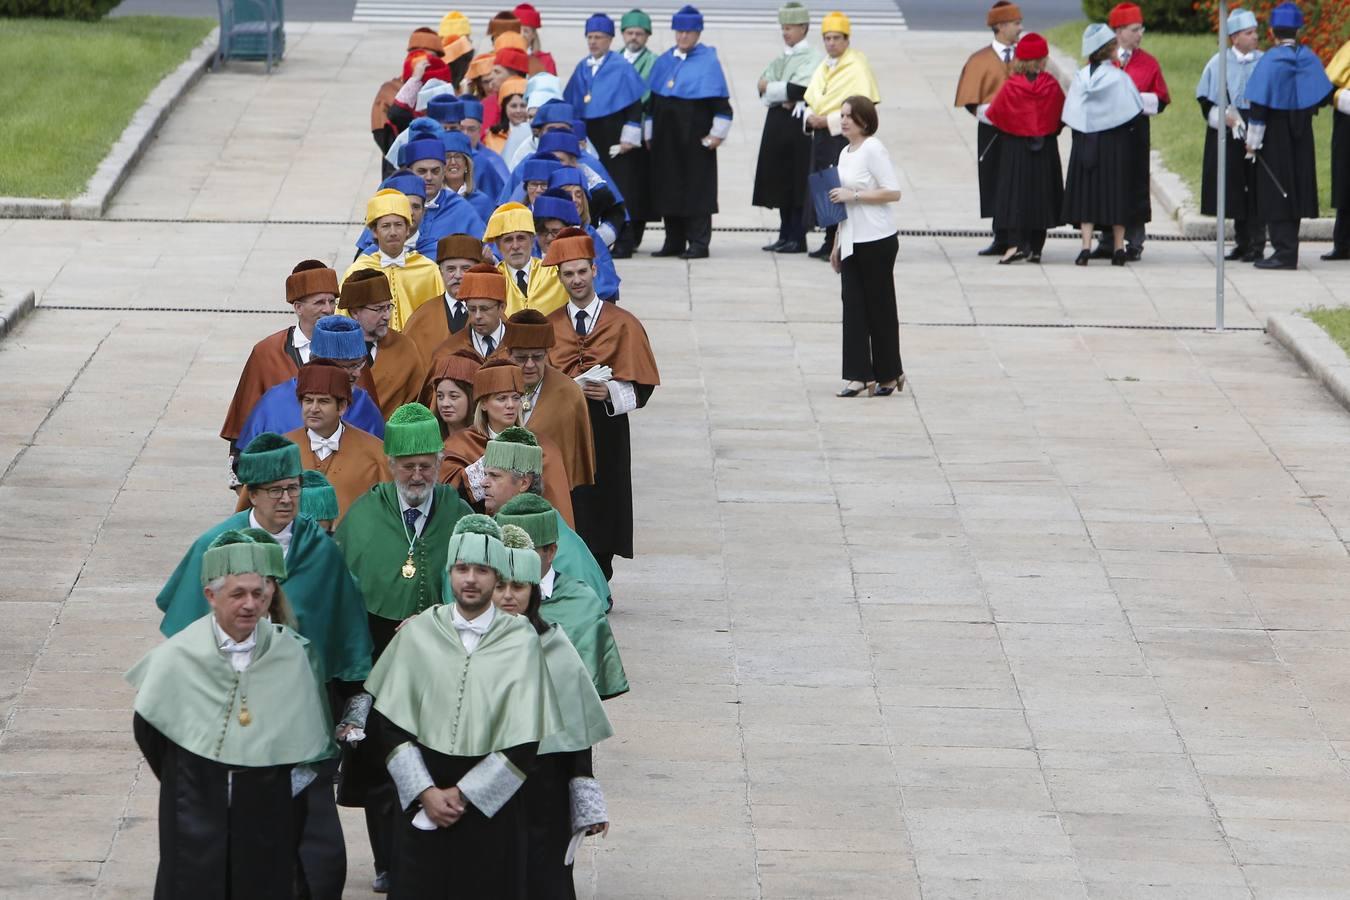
column 849, row 391
column 1119, row 258
column 1009, row 260
column 890, row 389
column 1083, row 257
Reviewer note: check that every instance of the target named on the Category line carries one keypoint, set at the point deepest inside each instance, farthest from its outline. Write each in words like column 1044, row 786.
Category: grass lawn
column 1335, row 322
column 1180, row 132
column 72, row 87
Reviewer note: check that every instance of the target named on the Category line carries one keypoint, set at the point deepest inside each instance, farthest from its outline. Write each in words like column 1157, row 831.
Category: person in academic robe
column 414, row 188
column 785, row 146
column 634, row 176
column 447, row 212
column 1286, row 90
column 530, row 23
column 551, row 216
column 1027, row 112
column 981, row 77
column 327, row 607
column 318, row 500
column 490, row 172
column 529, row 283
column 1102, row 108
column 497, row 389
column 843, row 73
column 460, row 175
column 458, row 765
column 413, row 279
column 605, row 348
column 423, row 56
column 398, row 366
column 1142, row 67
column 1338, row 72
column 1249, row 234
column 432, row 323
column 450, row 390
column 394, row 541
column 512, row 125
column 338, row 340
column 568, row 600
column 606, row 205
column 688, row 118
column 564, row 800
column 350, row 459
column 231, row 717
column 483, row 291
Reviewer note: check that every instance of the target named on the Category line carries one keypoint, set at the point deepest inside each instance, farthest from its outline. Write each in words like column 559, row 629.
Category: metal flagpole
column 1221, row 171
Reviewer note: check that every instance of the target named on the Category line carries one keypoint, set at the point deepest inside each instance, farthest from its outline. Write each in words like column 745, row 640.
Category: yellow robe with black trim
column 546, row 291
column 416, row 282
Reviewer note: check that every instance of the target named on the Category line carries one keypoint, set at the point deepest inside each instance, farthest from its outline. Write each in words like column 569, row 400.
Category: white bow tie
column 594, row 63
column 478, row 626
column 323, row 447
column 387, row 261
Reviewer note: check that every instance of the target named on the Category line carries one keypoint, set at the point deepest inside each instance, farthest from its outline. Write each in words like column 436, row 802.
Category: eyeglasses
column 381, row 309
column 276, row 493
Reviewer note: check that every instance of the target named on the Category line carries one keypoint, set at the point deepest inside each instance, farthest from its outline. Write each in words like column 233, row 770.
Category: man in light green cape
column 568, row 600
column 229, row 714
column 462, row 700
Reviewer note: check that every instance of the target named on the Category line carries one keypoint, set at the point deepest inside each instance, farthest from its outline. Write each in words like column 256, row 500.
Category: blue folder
column 820, row 184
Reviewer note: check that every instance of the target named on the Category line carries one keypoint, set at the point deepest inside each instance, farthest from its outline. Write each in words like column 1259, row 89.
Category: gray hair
column 215, row 584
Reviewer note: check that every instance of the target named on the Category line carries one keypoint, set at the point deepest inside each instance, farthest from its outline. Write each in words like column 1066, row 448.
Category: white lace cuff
column 631, row 133
column 477, row 479
column 409, row 772
column 647, row 129
column 835, row 120
column 622, row 398
column 1150, row 103
column 606, row 232
column 721, row 127
column 491, row 783
column 301, row 778
column 775, row 93
column 356, row 710
column 1343, row 101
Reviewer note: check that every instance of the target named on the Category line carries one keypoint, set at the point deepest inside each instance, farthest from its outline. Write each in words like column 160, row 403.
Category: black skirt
column 1030, row 192
column 1099, row 182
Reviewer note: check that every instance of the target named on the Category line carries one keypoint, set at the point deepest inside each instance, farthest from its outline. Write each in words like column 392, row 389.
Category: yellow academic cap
column 455, row 24
column 836, row 22
column 388, row 202
column 507, row 218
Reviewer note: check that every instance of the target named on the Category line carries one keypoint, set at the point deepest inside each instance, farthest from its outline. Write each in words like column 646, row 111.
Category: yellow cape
column 830, row 87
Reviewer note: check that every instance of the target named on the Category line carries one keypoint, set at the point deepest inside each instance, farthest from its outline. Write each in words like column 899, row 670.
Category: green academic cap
column 268, row 457
column 636, row 18
column 522, row 561
column 241, row 552
column 516, row 449
column 318, row 500
column 793, row 13
column 412, row 431
column 534, row 514
column 477, row 540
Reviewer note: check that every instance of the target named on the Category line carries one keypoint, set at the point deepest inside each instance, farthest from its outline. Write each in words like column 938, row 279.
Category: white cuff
column 835, row 120
column 407, row 95
column 721, row 127
column 606, row 232
column 357, row 709
column 775, row 93
column 631, row 133
column 647, row 129
column 409, row 772
column 982, row 113
column 1343, row 101
column 301, row 778
column 476, row 476
column 1256, row 136
column 622, row 398
column 1213, row 118
column 491, row 783
column 1150, row 103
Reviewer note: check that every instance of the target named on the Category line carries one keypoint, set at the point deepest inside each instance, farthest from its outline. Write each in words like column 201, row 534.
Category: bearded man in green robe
column 232, row 717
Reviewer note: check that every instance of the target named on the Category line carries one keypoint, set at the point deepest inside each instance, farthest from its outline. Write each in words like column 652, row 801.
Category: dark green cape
column 575, row 607
column 375, row 541
column 329, row 610
column 575, row 558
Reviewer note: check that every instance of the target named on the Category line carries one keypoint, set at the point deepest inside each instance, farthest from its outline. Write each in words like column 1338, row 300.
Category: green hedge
column 86, row 10
column 1178, row 16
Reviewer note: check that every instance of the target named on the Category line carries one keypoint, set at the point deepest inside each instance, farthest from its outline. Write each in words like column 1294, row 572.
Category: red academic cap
column 1125, row 14
column 528, row 15
column 513, row 59
column 1032, row 46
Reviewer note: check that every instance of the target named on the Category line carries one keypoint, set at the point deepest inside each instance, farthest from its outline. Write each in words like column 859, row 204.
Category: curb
column 135, row 138
column 14, row 309
column 1315, row 350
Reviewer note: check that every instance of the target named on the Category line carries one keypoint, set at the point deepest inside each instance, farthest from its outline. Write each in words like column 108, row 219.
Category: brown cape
column 429, row 325
column 399, row 371
column 560, row 415
column 268, row 365
column 357, row 466
column 982, row 76
column 618, row 340
column 466, row 446
column 384, row 98
column 463, row 340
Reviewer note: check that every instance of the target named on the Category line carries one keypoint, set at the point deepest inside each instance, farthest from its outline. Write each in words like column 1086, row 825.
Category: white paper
column 614, row 150
column 422, row 822
column 355, row 736
column 573, row 846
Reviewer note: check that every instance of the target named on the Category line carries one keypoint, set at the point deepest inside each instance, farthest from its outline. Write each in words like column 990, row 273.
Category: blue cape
column 279, row 410
column 606, row 276
column 615, row 86
column 595, row 173
column 489, row 172
column 696, row 77
column 482, row 204
column 1289, row 78
column 1239, row 74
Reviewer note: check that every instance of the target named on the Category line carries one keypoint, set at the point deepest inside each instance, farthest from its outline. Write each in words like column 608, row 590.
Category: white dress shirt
column 239, row 653
column 283, row 537
column 301, row 344
column 424, row 508
column 1001, row 49
column 324, row 447
column 594, row 62
column 480, row 343
column 592, row 313
column 546, row 583
column 471, row 631
column 630, row 55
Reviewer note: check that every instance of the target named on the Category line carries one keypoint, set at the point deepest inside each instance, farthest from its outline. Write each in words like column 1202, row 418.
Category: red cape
column 1146, row 74
column 1027, row 108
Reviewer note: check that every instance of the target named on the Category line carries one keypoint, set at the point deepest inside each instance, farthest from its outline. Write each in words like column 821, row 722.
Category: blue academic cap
column 424, row 128
column 687, row 19
column 566, row 175
column 473, row 108
column 579, row 129
column 422, row 148
column 559, row 140
column 1241, row 20
column 554, row 205
column 1096, row 36
column 406, row 182
column 601, row 23
column 539, row 167
column 445, row 108
column 553, row 112
column 456, row 142
column 337, row 337
column 1286, row 15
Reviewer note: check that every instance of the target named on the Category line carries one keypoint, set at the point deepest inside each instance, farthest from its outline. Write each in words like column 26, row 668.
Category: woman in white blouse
column 864, row 256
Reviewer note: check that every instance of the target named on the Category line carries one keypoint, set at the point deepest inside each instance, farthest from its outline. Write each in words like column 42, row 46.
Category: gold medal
column 245, row 718
column 409, row 570
column 587, row 98
column 670, row 83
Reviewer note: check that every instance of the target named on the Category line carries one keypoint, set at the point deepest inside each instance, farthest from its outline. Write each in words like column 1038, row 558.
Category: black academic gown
column 548, row 806
column 987, row 143
column 604, row 516
column 1291, row 155
column 1340, row 163
column 1240, row 191
column 476, row 857
column 1098, row 186
column 684, row 172
column 1030, row 193
column 630, row 169
column 221, row 836
column 784, row 157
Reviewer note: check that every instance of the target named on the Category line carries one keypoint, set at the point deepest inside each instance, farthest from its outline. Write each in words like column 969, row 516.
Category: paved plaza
column 1067, row 618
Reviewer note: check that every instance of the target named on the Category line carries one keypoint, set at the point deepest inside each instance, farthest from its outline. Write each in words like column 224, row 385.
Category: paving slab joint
column 134, row 141
column 1315, row 350
column 14, row 308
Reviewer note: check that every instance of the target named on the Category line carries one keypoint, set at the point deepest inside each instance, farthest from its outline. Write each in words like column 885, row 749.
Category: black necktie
column 1007, row 54
column 523, row 282
column 410, row 517
column 458, row 316
column 581, row 322
column 490, row 344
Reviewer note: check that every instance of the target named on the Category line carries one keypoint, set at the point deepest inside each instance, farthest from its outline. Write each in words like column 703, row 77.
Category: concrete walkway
column 1066, row 618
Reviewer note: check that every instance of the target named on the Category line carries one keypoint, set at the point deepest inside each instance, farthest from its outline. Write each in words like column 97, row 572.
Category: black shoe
column 1134, row 254
column 1083, row 257
column 1102, row 251
column 773, row 248
column 852, row 391
column 1034, row 257
column 1275, row 262
column 621, row 254
column 1336, row 254
column 1235, row 254
column 994, row 249
column 668, row 251
column 691, row 253
column 822, row 253
column 1009, row 260
column 1253, row 255
column 791, row 247
column 1120, row 257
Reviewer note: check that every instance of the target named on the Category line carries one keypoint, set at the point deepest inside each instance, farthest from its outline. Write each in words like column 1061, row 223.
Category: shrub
column 87, row 10
column 1177, row 16
column 1326, row 22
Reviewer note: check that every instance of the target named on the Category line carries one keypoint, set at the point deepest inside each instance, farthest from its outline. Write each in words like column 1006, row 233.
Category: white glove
column 599, row 374
column 982, row 113
column 1343, row 101
column 1213, row 117
column 1150, row 103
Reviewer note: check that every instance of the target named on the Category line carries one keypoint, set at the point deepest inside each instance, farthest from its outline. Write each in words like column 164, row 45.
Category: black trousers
column 1340, row 237
column 1249, row 234
column 381, row 810
column 1028, row 240
column 871, row 323
column 688, row 232
column 1134, row 235
column 1284, row 240
column 630, row 238
column 791, row 226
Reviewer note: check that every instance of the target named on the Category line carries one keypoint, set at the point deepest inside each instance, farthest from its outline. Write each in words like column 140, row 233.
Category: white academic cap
column 1241, row 20
column 1096, row 36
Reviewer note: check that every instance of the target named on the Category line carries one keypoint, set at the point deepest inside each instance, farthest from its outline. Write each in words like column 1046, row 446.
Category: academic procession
column 408, row 614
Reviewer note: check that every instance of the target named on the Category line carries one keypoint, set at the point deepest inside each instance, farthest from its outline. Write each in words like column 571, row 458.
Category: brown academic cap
column 310, row 277
column 364, row 287
column 502, row 21
column 320, row 377
column 483, row 282
column 497, row 376
column 1002, row 11
column 459, row 246
column 461, row 365
column 426, row 39
column 570, row 244
column 528, row 329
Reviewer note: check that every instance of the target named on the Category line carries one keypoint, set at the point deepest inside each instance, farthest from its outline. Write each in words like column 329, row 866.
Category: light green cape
column 461, row 704
column 794, row 68
column 584, row 721
column 575, row 607
column 188, row 690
